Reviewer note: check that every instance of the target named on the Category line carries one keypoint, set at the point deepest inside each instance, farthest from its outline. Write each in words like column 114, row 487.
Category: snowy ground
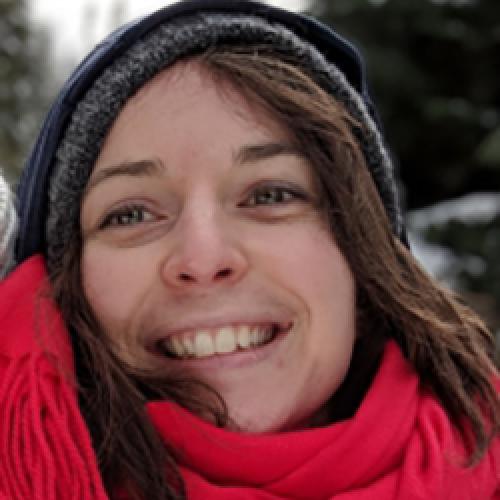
column 472, row 208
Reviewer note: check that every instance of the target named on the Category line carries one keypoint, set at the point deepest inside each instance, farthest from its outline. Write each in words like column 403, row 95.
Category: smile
column 202, row 343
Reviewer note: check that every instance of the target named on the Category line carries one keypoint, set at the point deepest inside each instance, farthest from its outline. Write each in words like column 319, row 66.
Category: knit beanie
column 8, row 226
column 177, row 38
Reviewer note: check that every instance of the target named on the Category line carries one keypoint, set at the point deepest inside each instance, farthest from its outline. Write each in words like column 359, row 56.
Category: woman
column 236, row 313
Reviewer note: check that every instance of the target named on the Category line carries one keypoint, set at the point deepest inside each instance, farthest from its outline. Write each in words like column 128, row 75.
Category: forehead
column 191, row 81
column 184, row 109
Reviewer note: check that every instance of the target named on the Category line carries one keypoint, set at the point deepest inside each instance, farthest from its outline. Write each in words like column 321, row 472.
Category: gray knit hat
column 169, row 42
column 8, row 227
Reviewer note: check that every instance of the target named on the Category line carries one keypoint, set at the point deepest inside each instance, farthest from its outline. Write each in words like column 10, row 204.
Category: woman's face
column 204, row 253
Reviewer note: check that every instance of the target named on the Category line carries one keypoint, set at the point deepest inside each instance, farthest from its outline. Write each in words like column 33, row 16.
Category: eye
column 127, row 216
column 273, row 195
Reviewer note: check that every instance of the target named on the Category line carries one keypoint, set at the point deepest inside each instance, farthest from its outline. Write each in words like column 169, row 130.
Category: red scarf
column 399, row 445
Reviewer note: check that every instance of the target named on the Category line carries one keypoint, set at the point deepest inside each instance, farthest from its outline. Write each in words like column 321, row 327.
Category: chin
column 264, row 422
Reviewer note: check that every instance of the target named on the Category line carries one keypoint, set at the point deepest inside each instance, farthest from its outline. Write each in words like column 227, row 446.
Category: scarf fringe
column 46, row 448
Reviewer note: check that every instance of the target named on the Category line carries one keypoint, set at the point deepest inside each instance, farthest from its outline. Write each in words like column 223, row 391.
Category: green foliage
column 489, row 150
column 478, row 247
column 24, row 70
column 434, row 68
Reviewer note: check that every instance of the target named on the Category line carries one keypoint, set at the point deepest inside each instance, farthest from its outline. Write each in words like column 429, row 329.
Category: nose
column 205, row 252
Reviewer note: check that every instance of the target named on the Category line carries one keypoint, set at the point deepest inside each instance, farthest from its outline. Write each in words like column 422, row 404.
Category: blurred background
column 434, row 69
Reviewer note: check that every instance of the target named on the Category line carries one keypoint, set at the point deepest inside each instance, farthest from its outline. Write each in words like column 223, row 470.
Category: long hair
column 447, row 344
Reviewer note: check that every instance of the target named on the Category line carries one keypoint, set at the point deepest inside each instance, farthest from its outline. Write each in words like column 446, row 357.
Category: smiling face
column 204, row 253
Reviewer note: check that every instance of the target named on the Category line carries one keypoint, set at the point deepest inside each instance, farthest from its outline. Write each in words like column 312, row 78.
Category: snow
column 470, row 209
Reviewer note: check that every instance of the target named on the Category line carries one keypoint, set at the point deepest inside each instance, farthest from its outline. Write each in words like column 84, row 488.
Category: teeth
column 244, row 337
column 188, row 346
column 225, row 340
column 177, row 347
column 254, row 336
column 267, row 335
column 204, row 343
column 260, row 335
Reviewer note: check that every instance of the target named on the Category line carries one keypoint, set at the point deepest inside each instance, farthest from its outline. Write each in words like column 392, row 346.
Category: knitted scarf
column 399, row 445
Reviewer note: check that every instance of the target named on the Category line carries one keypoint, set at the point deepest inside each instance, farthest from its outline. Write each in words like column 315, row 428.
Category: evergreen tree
column 24, row 74
column 434, row 68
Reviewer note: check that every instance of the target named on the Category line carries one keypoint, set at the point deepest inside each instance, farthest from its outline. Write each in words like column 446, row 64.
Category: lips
column 225, row 339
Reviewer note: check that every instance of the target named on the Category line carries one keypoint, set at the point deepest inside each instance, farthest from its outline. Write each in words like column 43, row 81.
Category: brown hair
column 448, row 345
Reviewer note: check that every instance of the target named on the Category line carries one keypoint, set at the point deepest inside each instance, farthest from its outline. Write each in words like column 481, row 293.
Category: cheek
column 312, row 267
column 308, row 261
column 114, row 283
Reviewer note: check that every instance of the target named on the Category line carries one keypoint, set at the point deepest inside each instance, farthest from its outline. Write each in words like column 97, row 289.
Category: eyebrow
column 247, row 154
column 140, row 168
column 254, row 153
